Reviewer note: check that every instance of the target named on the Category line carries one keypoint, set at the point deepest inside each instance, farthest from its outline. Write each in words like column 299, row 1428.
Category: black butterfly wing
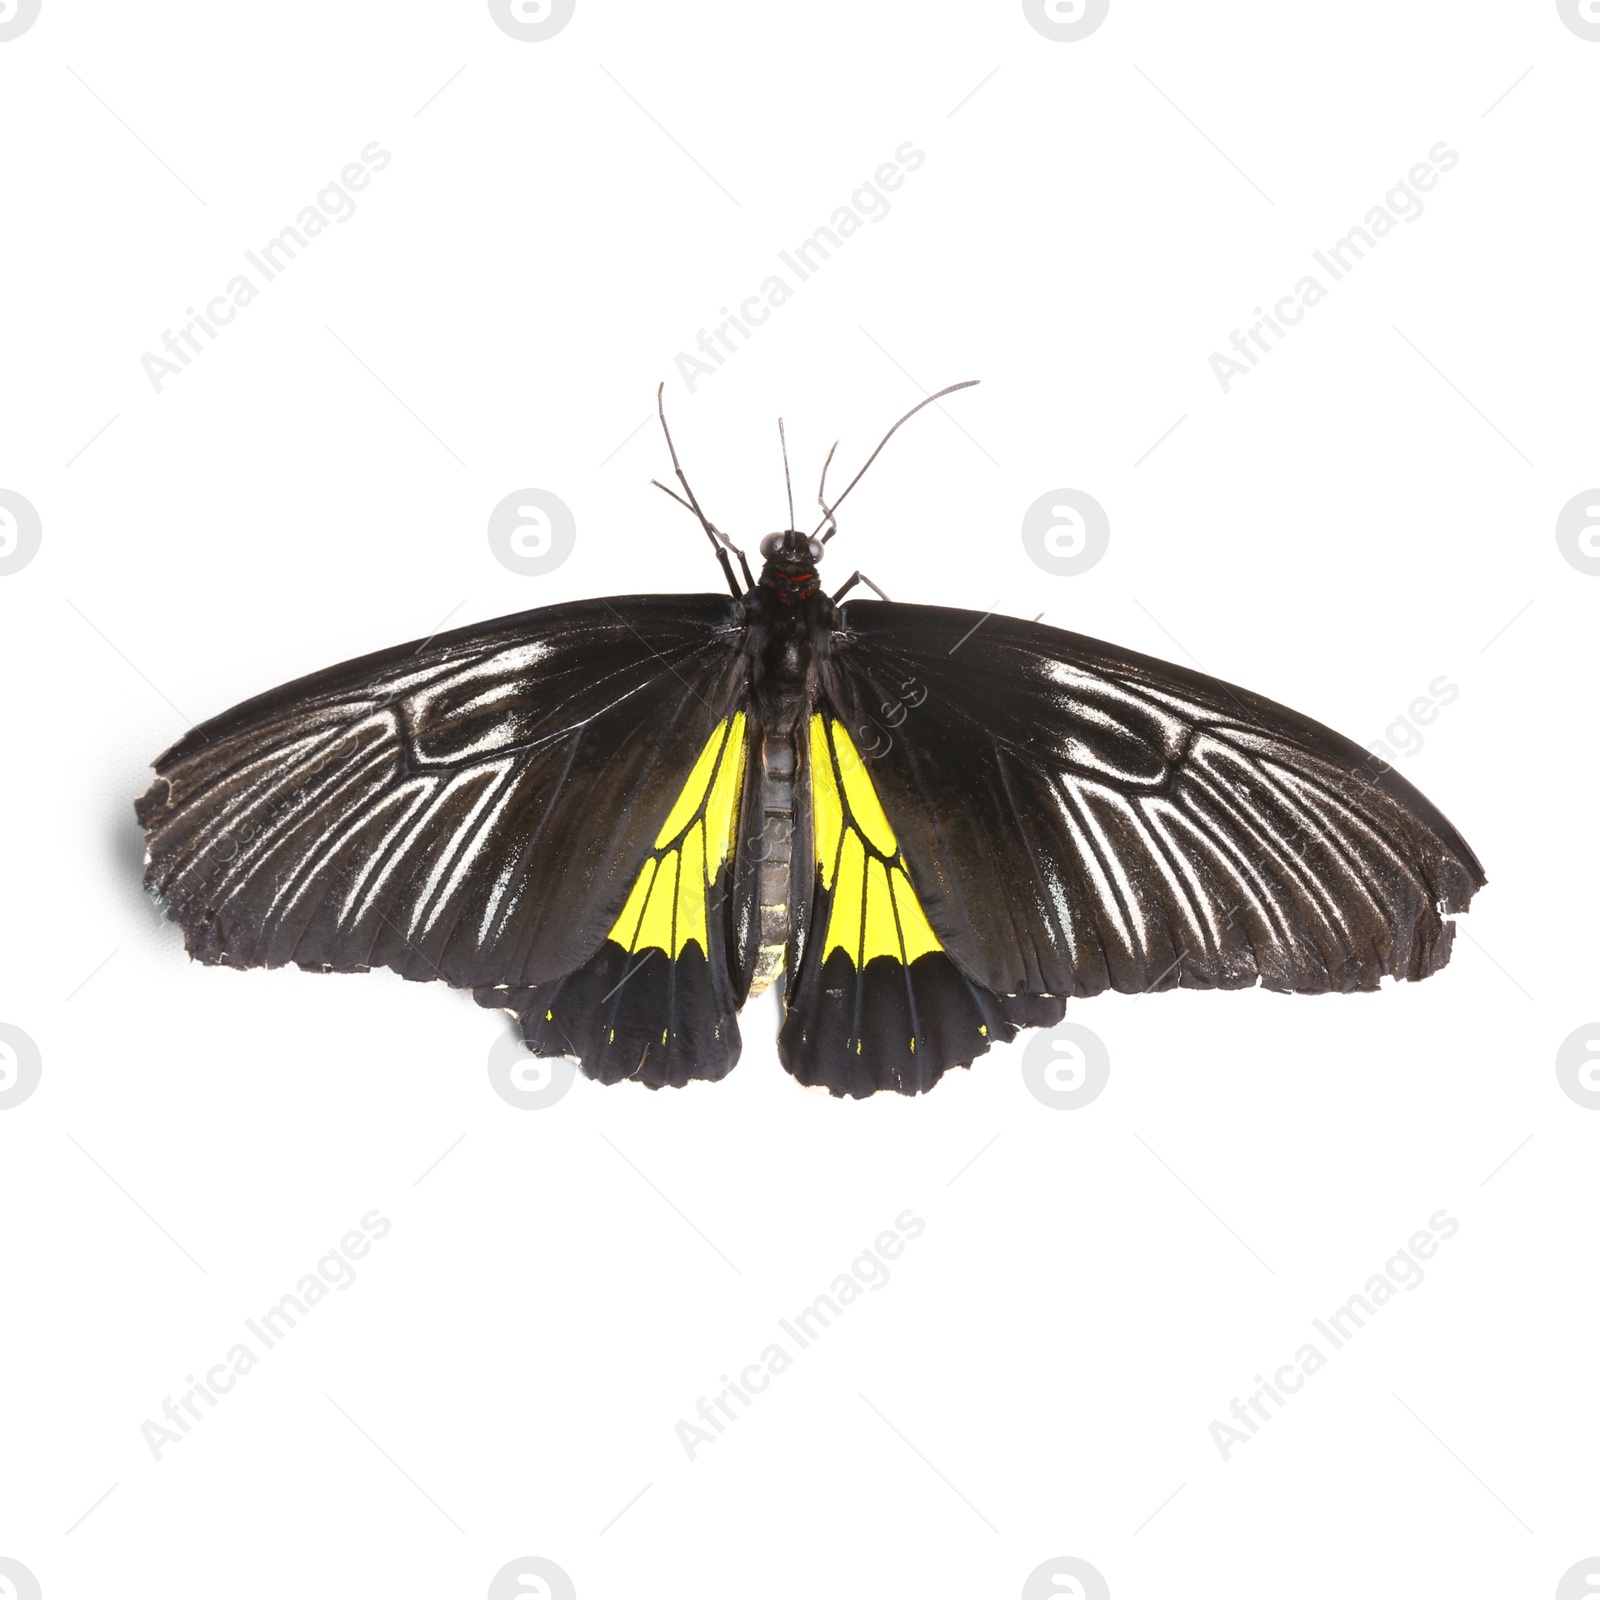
column 658, row 1001
column 477, row 808
column 1076, row 817
column 874, row 1000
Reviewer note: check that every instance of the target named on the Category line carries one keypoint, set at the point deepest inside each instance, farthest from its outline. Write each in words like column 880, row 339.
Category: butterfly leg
column 722, row 549
column 727, row 569
column 853, row 580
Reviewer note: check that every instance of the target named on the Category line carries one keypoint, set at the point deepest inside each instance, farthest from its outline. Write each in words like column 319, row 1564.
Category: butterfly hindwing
column 657, row 1002
column 874, row 1000
column 1076, row 817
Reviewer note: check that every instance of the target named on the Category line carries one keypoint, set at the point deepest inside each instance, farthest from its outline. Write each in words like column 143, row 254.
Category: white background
column 1368, row 510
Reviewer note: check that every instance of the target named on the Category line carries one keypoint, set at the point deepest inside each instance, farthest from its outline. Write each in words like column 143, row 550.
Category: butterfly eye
column 814, row 549
column 772, row 545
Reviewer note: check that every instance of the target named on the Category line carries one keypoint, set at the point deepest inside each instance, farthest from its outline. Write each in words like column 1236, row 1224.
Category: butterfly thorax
column 787, row 585
column 785, row 636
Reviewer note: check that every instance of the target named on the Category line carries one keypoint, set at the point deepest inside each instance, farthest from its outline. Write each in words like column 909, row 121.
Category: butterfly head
column 791, row 564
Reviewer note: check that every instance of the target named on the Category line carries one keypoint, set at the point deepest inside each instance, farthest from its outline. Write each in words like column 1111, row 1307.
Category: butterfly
column 619, row 819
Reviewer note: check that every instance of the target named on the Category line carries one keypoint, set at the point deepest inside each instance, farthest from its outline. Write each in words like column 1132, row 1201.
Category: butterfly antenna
column 718, row 538
column 788, row 488
column 656, row 483
column 829, row 510
column 822, row 487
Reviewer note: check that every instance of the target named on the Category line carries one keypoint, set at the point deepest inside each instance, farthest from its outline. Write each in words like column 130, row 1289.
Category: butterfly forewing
column 475, row 809
column 1076, row 817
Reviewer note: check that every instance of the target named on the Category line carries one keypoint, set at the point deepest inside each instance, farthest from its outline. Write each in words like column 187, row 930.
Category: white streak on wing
column 262, row 780
column 1118, row 865
column 476, row 832
column 419, row 680
column 1292, row 867
column 496, row 735
column 1189, row 843
column 431, row 789
column 1133, row 870
column 367, row 885
column 305, row 875
column 1198, row 842
column 503, row 878
column 434, row 791
column 519, row 658
column 1258, row 743
column 1074, row 814
column 366, row 772
column 1092, row 760
column 1058, row 897
column 1063, row 672
column 492, row 742
column 1264, row 894
column 1314, row 797
column 1192, row 711
column 502, row 883
column 1179, row 879
column 1094, row 695
column 503, row 673
column 458, row 855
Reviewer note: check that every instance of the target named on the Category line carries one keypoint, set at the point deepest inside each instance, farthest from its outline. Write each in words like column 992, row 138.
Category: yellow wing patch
column 875, row 911
column 666, row 908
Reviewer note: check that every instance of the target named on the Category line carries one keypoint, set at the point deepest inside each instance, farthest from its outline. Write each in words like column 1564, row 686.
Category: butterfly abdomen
column 775, row 879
